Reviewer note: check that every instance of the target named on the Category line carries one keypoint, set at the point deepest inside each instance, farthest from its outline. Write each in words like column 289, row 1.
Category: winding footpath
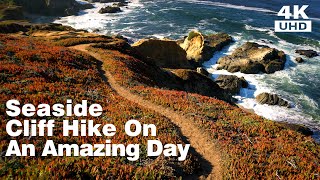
column 199, row 140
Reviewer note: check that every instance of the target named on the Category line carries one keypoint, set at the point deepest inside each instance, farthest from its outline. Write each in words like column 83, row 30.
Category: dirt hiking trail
column 199, row 140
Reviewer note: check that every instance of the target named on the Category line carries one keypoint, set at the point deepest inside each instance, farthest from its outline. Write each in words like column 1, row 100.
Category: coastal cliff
column 18, row 9
column 48, row 62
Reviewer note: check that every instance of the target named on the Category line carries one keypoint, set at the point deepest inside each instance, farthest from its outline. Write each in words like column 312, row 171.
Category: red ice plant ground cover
column 34, row 71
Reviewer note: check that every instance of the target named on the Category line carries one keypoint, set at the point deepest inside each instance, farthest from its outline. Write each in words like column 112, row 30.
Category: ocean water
column 245, row 21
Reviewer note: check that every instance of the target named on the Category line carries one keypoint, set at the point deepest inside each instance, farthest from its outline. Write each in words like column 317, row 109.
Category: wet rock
column 308, row 53
column 299, row 60
column 120, row 4
column 271, row 99
column 109, row 9
column 232, row 84
column 252, row 58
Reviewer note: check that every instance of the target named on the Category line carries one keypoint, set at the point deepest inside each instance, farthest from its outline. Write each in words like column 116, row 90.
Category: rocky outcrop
column 109, row 9
column 252, row 58
column 230, row 83
column 14, row 27
column 271, row 99
column 194, row 82
column 120, row 4
column 202, row 71
column 200, row 47
column 299, row 60
column 52, row 7
column 308, row 53
column 163, row 53
column 120, row 45
column 11, row 13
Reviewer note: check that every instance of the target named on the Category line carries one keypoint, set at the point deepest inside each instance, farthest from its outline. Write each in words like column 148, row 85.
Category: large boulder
column 163, row 53
column 308, row 53
column 271, row 99
column 109, row 9
column 230, row 83
column 194, row 82
column 201, row 47
column 252, row 58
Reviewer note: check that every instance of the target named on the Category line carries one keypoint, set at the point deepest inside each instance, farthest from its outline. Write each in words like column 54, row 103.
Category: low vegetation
column 32, row 71
column 83, row 40
column 254, row 148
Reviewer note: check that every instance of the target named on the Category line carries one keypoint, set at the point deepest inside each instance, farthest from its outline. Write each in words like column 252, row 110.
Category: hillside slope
column 32, row 71
column 250, row 147
column 198, row 139
column 253, row 147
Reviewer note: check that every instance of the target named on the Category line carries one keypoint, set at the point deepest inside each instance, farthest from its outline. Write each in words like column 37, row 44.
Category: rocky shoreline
column 24, row 10
column 157, row 81
column 183, row 58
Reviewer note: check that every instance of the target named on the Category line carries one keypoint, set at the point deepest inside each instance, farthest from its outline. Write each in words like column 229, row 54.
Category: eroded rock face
column 52, row 7
column 163, row 53
column 200, row 47
column 271, row 99
column 202, row 71
column 11, row 13
column 252, row 58
column 230, row 83
column 308, row 53
column 194, row 82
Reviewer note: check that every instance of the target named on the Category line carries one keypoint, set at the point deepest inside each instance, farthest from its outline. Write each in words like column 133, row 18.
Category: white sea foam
column 91, row 20
column 259, row 83
column 268, row 30
column 226, row 5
